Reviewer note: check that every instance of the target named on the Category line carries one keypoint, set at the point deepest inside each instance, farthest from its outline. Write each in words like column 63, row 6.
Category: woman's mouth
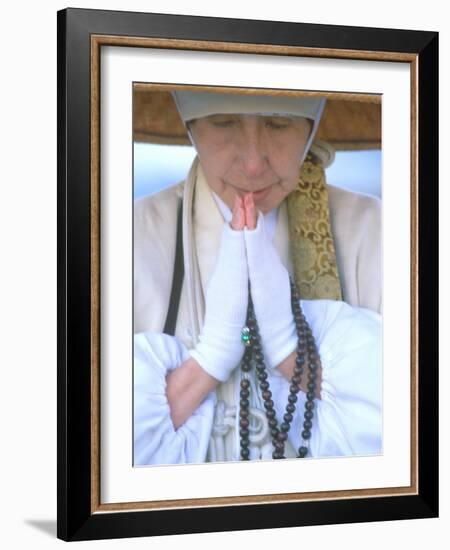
column 261, row 194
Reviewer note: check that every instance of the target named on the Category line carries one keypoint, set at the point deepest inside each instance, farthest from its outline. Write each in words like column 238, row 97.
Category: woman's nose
column 252, row 150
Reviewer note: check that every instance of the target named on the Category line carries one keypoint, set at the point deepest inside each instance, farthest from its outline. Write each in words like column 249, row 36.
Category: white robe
column 347, row 419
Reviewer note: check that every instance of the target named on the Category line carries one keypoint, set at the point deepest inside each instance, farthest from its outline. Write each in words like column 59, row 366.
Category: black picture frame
column 78, row 516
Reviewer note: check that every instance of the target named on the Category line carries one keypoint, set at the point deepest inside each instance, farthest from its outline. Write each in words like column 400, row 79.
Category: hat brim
column 349, row 121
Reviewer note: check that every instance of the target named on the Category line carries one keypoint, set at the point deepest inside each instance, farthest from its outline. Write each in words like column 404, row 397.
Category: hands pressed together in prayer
column 246, row 254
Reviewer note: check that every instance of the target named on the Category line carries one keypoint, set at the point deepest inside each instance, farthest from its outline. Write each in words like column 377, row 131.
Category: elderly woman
column 249, row 371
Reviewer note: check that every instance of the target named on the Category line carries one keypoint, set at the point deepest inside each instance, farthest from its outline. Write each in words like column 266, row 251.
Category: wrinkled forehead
column 193, row 105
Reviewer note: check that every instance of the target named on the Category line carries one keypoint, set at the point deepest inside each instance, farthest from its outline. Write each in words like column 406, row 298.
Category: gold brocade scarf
column 311, row 240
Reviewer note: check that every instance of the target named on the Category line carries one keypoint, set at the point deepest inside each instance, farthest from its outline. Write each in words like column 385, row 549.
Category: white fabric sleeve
column 155, row 439
column 348, row 418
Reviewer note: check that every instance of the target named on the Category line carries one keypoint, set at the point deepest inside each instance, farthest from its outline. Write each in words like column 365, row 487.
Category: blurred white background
column 159, row 166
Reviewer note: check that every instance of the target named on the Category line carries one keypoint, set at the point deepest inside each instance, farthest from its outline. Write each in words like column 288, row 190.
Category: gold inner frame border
column 97, row 41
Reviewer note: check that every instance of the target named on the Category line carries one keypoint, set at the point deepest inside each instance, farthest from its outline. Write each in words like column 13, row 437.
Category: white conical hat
column 192, row 105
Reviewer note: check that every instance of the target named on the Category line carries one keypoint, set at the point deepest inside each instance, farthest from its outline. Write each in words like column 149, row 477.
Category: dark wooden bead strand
column 306, row 347
column 305, row 336
column 244, row 405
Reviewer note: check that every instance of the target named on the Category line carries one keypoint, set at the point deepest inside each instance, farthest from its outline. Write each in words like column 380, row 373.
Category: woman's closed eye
column 278, row 123
column 224, row 122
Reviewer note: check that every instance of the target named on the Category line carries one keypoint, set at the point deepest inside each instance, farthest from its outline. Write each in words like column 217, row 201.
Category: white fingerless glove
column 271, row 294
column 220, row 348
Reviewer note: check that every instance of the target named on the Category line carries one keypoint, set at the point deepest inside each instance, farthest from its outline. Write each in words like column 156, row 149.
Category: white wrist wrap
column 220, row 347
column 271, row 294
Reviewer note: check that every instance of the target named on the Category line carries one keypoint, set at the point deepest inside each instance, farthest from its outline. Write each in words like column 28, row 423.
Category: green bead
column 246, row 336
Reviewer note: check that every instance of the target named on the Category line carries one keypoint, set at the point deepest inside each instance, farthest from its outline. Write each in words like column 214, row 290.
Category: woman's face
column 242, row 153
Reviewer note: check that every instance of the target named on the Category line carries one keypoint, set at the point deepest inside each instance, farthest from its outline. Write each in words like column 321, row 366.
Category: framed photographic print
column 247, row 271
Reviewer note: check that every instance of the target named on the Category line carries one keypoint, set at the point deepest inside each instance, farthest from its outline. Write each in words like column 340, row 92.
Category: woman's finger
column 250, row 211
column 238, row 219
